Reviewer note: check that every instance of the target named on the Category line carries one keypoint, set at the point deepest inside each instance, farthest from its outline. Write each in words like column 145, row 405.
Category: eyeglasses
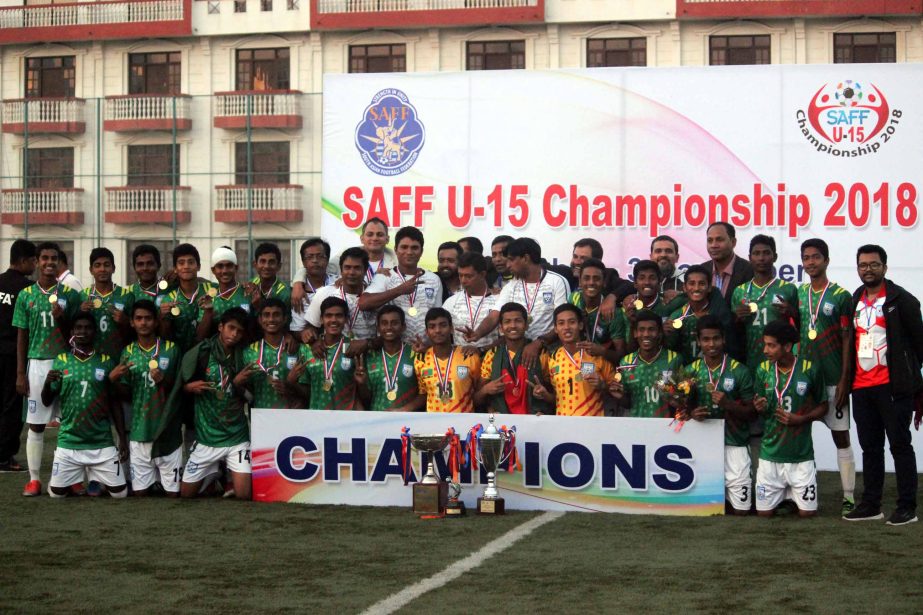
column 869, row 266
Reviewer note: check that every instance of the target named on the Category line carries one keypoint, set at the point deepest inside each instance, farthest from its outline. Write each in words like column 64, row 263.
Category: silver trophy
column 490, row 446
column 430, row 494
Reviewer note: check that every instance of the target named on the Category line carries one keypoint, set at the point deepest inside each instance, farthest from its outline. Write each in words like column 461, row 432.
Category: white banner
column 568, row 463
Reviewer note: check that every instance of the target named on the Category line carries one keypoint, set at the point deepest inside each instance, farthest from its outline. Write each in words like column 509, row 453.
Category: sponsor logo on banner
column 390, row 135
column 848, row 118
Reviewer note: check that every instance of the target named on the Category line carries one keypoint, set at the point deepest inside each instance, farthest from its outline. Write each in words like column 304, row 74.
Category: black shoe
column 11, row 465
column 902, row 516
column 864, row 512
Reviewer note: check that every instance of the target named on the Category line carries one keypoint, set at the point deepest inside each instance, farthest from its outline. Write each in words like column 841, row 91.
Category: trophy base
column 430, row 499
column 455, row 509
column 493, row 506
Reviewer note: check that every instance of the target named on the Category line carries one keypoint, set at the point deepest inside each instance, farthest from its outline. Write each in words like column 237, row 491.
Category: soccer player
column 763, row 299
column 473, row 303
column 145, row 375
column 505, row 382
column 146, row 261
column 724, row 390
column 266, row 362
column 42, row 316
column 789, row 395
column 85, row 443
column 267, row 261
column 680, row 327
column 604, row 337
column 446, row 376
column 180, row 311
column 210, row 373
column 386, row 378
column 447, row 258
column 634, row 382
column 412, row 289
column 315, row 258
column 360, row 324
column 229, row 294
column 578, row 379
column 327, row 382
column 826, row 311
column 109, row 304
column 648, row 280
column 500, row 262
column 665, row 252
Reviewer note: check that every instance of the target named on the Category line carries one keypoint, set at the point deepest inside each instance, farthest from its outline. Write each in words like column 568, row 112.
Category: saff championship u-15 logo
column 848, row 119
column 390, row 135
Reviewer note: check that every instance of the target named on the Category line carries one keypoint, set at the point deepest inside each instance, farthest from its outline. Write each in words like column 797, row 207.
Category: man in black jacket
column 886, row 384
column 728, row 271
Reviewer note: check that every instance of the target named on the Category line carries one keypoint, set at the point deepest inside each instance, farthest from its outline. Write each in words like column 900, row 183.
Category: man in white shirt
column 65, row 276
column 471, row 305
column 361, row 324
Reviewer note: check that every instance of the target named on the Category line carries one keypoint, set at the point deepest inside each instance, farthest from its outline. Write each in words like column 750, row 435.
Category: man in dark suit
column 728, row 270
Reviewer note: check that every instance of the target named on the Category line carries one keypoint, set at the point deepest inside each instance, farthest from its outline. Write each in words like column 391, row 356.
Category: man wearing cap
column 228, row 294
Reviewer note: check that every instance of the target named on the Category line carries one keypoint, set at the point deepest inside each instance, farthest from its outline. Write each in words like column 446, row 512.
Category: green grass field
column 164, row 556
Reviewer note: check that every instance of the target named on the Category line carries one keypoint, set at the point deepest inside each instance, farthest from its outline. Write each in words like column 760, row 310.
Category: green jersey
column 184, row 324
column 151, row 293
column 148, row 399
column 600, row 330
column 639, row 377
column 280, row 290
column 834, row 310
column 272, row 362
column 220, row 419
column 32, row 313
column 767, row 299
column 108, row 334
column 388, row 372
column 797, row 392
column 84, row 394
column 686, row 340
column 330, row 379
column 224, row 301
column 734, row 380
column 658, row 307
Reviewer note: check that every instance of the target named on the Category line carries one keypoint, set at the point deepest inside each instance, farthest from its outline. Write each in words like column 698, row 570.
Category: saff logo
column 848, row 119
column 390, row 135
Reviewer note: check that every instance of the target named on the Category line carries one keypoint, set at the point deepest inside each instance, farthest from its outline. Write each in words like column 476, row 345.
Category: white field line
column 453, row 571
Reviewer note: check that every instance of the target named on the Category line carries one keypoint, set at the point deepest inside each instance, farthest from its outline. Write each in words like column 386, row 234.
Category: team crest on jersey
column 801, row 387
column 100, row 373
column 120, row 306
column 164, row 363
column 828, row 309
column 407, row 370
column 461, row 371
column 290, row 362
column 587, row 367
column 599, row 331
column 245, row 307
column 547, row 297
column 346, row 363
column 729, row 384
column 430, row 292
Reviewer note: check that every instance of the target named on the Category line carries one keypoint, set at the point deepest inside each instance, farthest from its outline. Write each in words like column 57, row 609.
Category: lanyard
column 474, row 315
column 259, row 361
column 870, row 315
column 355, row 314
column 812, row 312
column 391, row 377
column 443, row 379
column 765, row 289
column 713, row 382
column 328, row 367
column 591, row 333
column 371, row 271
column 413, row 293
column 228, row 292
column 525, row 291
column 570, row 357
column 775, row 386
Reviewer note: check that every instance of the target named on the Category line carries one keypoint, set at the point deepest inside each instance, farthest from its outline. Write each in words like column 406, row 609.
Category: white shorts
column 738, row 489
column 38, row 413
column 778, row 481
column 99, row 464
column 203, row 460
column 836, row 420
column 145, row 471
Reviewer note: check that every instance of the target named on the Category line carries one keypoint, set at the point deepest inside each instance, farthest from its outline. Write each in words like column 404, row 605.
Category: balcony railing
column 265, row 109
column 59, row 206
column 727, row 9
column 95, row 20
column 267, row 203
column 147, row 112
column 44, row 115
column 343, row 14
column 147, row 204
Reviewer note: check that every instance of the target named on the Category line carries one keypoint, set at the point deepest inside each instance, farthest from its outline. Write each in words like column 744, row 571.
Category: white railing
column 90, row 13
column 241, row 104
column 369, row 6
column 43, row 110
column 147, row 107
column 261, row 198
column 42, row 200
column 733, row 1
column 146, row 199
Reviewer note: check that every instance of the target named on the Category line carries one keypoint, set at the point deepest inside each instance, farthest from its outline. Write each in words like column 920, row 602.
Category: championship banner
column 624, row 155
column 568, row 463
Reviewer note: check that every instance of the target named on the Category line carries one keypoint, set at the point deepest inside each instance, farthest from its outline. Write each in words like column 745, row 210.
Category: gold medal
column 529, row 320
column 754, row 307
column 97, row 303
column 52, row 298
column 392, row 395
column 152, row 364
column 618, row 376
column 412, row 311
column 677, row 324
column 812, row 334
column 328, row 385
column 163, row 285
column 175, row 310
column 710, row 387
column 212, row 292
column 639, row 305
column 578, row 377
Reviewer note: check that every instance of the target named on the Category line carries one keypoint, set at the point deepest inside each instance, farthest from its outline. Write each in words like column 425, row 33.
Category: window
column 166, row 256
column 262, row 69
column 244, row 257
column 153, row 165
column 49, row 167
column 736, row 50
column 240, row 6
column 377, row 58
column 270, row 162
column 616, row 52
column 265, row 5
column 496, row 55
column 154, row 73
column 50, row 77
column 870, row 47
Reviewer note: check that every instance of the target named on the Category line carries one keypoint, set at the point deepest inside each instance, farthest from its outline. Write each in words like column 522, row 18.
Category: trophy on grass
column 492, row 448
column 431, row 496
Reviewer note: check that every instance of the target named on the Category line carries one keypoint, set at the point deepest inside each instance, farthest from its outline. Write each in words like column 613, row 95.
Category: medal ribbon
column 413, row 293
column 190, row 300
column 814, row 313
column 268, row 293
column 571, row 357
column 51, row 291
column 765, row 289
column 591, row 334
column 328, row 367
column 147, row 292
column 371, row 271
column 259, row 360
column 228, row 292
column 355, row 315
column 391, row 378
column 223, row 382
column 443, row 380
column 525, row 291
column 474, row 315
column 720, row 372
column 775, row 386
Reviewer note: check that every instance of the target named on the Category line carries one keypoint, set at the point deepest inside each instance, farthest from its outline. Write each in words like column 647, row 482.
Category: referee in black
column 22, row 264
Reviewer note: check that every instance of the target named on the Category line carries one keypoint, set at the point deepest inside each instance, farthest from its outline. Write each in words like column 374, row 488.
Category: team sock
column 847, row 465
column 35, row 446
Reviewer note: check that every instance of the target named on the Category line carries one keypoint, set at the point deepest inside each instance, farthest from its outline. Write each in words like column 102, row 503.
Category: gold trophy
column 430, row 495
